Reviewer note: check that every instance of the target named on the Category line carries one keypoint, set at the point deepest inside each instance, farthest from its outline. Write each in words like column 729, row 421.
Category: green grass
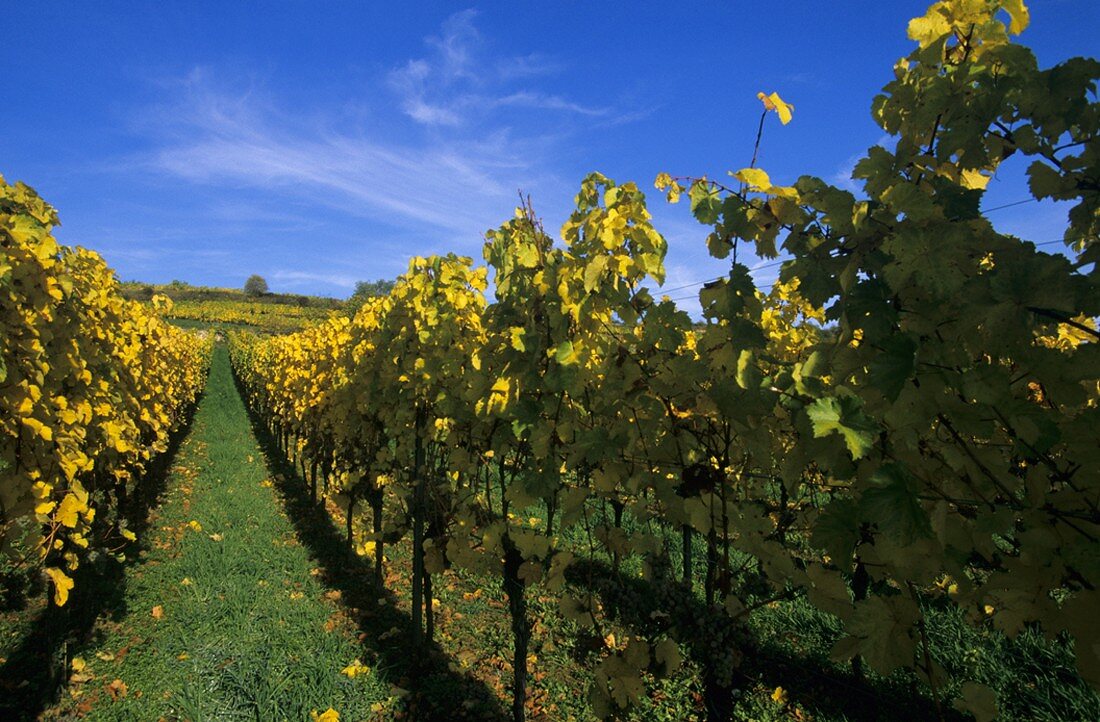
column 245, row 631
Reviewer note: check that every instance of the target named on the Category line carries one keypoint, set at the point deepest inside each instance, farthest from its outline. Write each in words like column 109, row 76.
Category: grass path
column 226, row 616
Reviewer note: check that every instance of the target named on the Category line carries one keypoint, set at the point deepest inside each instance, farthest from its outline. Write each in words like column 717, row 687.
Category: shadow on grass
column 827, row 692
column 34, row 674
column 436, row 692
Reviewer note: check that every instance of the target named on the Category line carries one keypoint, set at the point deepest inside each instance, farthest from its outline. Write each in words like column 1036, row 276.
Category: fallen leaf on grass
column 333, row 595
column 216, row 537
column 296, row 595
column 329, row 715
column 86, row 706
column 354, row 669
column 195, row 526
column 117, row 689
column 158, row 612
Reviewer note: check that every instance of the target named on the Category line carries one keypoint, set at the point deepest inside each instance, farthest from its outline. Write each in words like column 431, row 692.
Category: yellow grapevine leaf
column 61, row 585
column 354, row 669
column 974, row 180
column 68, row 512
column 773, row 102
column 930, row 27
column 1019, row 16
column 45, row 432
column 516, row 333
column 754, row 178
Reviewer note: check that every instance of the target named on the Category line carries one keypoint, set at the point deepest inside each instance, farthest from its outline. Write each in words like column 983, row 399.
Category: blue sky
column 322, row 143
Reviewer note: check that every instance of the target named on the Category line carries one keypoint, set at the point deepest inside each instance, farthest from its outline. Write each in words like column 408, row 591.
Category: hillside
column 181, row 291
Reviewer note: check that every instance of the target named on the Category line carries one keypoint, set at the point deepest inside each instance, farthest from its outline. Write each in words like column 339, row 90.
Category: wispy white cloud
column 526, row 66
column 259, row 215
column 626, row 117
column 218, row 137
column 411, row 82
column 294, row 279
column 223, row 132
column 454, row 45
column 529, row 99
column 430, row 177
column 443, row 89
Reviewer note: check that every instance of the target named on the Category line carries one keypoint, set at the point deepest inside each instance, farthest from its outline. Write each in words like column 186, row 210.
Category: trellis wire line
column 782, row 261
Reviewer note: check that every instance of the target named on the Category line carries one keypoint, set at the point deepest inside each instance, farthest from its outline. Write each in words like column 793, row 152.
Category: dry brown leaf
column 117, row 689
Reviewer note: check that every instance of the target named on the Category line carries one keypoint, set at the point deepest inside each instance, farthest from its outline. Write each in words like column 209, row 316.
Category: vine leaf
column 892, row 504
column 843, row 415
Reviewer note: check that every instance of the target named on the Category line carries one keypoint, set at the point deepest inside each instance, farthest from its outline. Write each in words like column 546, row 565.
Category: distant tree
column 255, row 285
column 368, row 289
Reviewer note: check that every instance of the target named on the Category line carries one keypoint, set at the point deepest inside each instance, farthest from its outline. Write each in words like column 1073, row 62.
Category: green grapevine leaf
column 843, row 415
column 891, row 503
